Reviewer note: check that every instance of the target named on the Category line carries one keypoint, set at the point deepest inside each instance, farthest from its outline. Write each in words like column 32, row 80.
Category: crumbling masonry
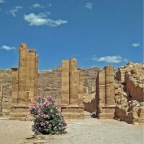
column 72, row 90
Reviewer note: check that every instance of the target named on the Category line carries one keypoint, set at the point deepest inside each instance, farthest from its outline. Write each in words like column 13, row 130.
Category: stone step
column 24, row 114
column 18, row 118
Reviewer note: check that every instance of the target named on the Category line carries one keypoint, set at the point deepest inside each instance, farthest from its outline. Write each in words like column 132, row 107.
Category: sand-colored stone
column 72, row 90
column 24, row 81
column 105, row 104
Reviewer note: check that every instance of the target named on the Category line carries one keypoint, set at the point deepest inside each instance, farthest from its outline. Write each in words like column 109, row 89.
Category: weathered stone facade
column 72, row 90
column 105, row 104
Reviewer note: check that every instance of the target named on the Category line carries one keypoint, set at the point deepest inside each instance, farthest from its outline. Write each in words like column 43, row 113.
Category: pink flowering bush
column 47, row 117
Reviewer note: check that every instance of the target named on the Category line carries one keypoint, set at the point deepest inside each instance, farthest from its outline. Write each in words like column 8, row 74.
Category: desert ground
column 87, row 131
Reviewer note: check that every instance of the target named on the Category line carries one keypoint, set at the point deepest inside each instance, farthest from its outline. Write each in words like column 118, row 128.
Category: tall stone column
column 14, row 84
column 1, row 97
column 72, row 90
column 36, row 76
column 28, row 75
column 65, row 83
column 100, row 94
column 22, row 71
column 74, row 79
column 81, row 87
column 32, row 70
column 105, row 105
column 27, row 82
column 109, row 74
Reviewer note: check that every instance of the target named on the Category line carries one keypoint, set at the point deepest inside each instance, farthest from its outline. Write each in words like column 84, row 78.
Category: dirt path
column 87, row 131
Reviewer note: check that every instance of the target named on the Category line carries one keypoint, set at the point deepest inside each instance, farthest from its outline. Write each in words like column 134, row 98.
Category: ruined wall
column 134, row 88
column 132, row 75
column 127, row 110
column 129, row 93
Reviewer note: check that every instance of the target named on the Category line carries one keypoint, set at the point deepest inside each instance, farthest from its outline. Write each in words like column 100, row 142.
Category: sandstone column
column 32, row 70
column 109, row 75
column 81, row 87
column 109, row 84
column 74, row 79
column 105, row 105
column 72, row 90
column 1, row 97
column 14, row 84
column 65, row 82
column 36, row 76
column 22, row 71
column 100, row 94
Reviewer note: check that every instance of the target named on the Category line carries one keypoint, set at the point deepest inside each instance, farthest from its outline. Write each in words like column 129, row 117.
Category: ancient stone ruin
column 109, row 94
column 129, row 93
column 105, row 104
column 72, row 90
column 24, row 82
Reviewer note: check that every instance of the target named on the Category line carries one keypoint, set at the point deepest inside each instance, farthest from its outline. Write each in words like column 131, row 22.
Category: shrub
column 47, row 117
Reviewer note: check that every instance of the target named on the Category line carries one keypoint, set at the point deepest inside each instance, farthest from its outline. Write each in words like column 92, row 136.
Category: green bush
column 47, row 117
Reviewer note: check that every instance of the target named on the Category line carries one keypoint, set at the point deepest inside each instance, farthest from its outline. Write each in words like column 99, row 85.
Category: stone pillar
column 28, row 75
column 109, row 75
column 14, row 84
column 81, row 87
column 27, row 83
column 105, row 105
column 32, row 69
column 100, row 94
column 109, row 86
column 72, row 90
column 1, row 97
column 65, row 83
column 36, row 76
column 74, row 79
column 22, row 71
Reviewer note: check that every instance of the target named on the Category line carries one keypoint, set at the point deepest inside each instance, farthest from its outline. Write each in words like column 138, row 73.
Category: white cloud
column 110, row 59
column 41, row 19
column 136, row 44
column 15, row 10
column 37, row 5
column 89, row 5
column 8, row 48
column 1, row 1
column 50, row 5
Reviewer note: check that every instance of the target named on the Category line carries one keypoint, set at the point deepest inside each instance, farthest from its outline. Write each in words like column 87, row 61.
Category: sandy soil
column 87, row 131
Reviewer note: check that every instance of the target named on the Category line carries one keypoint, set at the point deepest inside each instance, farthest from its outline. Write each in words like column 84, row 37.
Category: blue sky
column 95, row 32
